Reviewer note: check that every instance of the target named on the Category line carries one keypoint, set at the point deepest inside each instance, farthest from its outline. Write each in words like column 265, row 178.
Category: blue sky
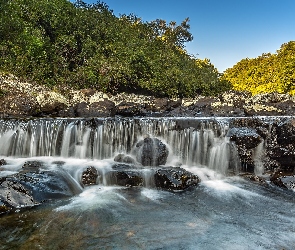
column 225, row 31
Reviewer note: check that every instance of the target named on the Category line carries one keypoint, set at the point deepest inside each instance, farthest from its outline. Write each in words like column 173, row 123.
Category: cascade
column 198, row 141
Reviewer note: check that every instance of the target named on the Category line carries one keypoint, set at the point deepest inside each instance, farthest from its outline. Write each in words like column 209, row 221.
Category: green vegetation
column 266, row 73
column 80, row 45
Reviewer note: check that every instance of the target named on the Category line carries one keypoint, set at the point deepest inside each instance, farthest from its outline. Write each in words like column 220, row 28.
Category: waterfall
column 193, row 142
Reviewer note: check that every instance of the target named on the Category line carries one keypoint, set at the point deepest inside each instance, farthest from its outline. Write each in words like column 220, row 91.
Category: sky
column 224, row 31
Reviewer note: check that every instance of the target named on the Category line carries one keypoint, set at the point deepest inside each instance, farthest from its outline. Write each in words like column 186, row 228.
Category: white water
column 103, row 139
column 221, row 213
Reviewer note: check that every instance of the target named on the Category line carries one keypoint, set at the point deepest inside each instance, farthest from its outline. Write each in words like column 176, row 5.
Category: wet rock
column 175, row 179
column 3, row 162
column 89, row 176
column 255, row 178
column 129, row 179
column 286, row 132
column 284, row 180
column 33, row 166
column 125, row 175
column 32, row 186
column 246, row 140
column 247, row 137
column 151, row 152
column 124, row 159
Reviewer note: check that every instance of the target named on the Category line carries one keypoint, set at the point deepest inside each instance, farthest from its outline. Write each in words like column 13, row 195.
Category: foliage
column 266, row 73
column 85, row 45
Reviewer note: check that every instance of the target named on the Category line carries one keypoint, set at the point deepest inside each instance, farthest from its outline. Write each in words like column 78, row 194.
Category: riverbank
column 23, row 99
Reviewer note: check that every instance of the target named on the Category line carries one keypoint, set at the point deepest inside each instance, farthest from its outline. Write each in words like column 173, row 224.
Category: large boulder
column 175, row 179
column 151, row 152
column 34, row 185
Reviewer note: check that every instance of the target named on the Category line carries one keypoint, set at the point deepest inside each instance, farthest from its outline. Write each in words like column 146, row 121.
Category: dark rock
column 129, row 179
column 151, row 152
column 89, row 176
column 3, row 162
column 124, row 159
column 286, row 132
column 33, row 166
column 284, row 180
column 125, row 175
column 31, row 186
column 130, row 109
column 255, row 178
column 175, row 179
column 202, row 107
column 104, row 108
column 245, row 139
column 19, row 104
column 53, row 108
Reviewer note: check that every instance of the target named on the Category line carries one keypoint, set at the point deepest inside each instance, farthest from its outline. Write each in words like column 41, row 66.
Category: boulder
column 3, row 162
column 130, row 109
column 19, row 105
column 245, row 139
column 89, row 176
column 151, row 152
column 175, row 179
column 124, row 175
column 104, row 108
column 34, row 185
column 124, row 159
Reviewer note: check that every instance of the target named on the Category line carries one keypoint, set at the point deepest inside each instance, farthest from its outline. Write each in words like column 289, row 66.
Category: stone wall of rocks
column 23, row 99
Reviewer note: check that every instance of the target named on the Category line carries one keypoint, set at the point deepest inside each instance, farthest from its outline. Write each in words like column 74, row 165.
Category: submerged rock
column 175, row 179
column 151, row 152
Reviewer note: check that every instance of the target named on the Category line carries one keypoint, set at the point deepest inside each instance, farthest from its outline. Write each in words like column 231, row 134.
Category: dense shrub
column 81, row 45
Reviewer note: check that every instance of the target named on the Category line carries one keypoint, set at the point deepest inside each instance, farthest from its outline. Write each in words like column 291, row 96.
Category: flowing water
column 224, row 211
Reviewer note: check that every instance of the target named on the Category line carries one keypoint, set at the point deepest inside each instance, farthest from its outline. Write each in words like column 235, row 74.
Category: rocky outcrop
column 20, row 98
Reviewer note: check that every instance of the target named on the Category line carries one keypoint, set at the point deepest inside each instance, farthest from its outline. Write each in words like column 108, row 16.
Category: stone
column 124, row 159
column 284, row 180
column 151, row 152
column 127, row 108
column 125, row 175
column 89, row 176
column 33, row 186
column 175, row 179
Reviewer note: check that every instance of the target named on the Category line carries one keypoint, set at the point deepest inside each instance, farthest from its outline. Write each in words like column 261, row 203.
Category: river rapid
column 225, row 211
